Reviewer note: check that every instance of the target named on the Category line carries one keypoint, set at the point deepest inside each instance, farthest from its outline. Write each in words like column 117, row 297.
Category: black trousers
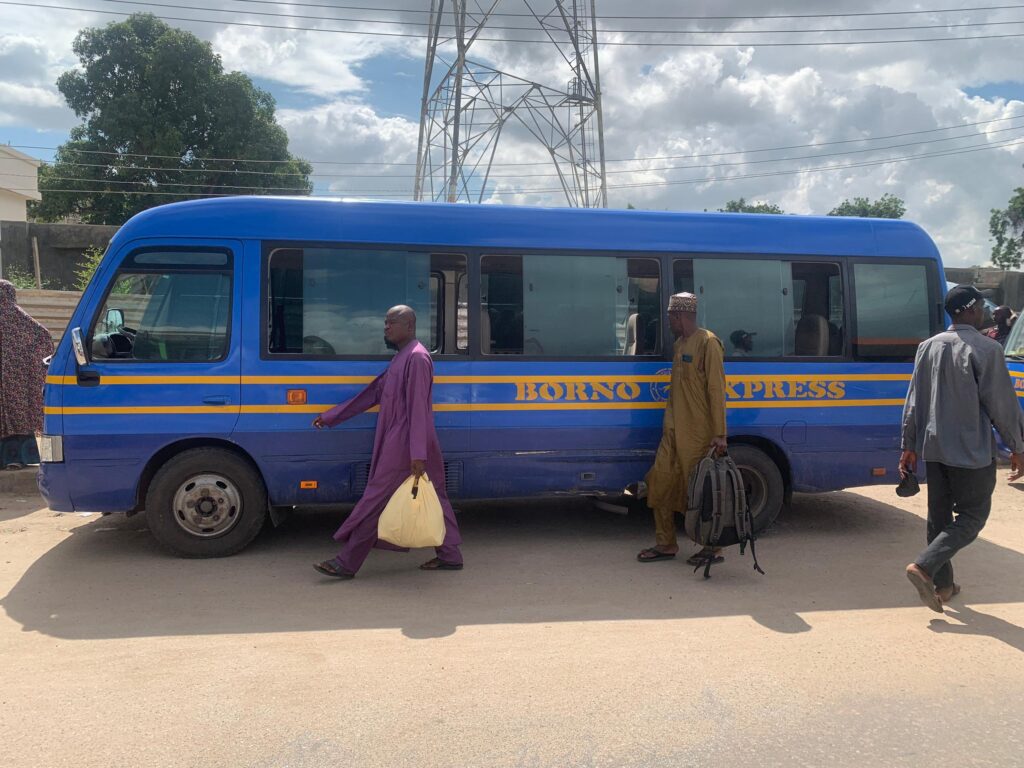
column 959, row 502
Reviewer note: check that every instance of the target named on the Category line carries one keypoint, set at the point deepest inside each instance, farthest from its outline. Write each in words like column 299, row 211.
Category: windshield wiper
column 1015, row 356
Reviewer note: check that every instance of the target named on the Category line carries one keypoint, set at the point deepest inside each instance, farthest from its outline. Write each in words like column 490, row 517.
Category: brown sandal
column 953, row 592
column 437, row 564
column 333, row 569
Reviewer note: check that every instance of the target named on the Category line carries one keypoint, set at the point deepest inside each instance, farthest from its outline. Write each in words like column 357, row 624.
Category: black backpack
column 717, row 512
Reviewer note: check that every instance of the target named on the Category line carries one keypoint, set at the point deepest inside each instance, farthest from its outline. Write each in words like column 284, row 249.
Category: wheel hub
column 207, row 505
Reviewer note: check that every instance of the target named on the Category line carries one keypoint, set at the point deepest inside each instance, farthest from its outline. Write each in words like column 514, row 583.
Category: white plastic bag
column 413, row 516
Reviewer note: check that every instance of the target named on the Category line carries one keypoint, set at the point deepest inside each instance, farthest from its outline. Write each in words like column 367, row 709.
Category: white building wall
column 18, row 183
column 12, row 206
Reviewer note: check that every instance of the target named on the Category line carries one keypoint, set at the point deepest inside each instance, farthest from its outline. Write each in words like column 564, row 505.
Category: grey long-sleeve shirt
column 960, row 390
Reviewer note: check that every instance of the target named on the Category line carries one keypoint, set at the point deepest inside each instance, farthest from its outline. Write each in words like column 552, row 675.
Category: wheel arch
column 776, row 454
column 169, row 451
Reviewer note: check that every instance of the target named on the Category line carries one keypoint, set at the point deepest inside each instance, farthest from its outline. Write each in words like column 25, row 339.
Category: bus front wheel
column 763, row 482
column 206, row 502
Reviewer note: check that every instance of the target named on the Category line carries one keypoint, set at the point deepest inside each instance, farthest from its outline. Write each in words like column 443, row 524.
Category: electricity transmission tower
column 468, row 105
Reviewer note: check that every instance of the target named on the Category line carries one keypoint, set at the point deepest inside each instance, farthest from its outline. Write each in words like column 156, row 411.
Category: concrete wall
column 1000, row 285
column 60, row 249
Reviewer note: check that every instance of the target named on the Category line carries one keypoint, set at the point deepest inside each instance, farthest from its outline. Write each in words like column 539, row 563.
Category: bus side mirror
column 114, row 320
column 78, row 346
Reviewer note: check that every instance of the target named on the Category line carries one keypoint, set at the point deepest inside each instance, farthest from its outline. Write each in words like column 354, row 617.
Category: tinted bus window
column 768, row 307
column 744, row 295
column 569, row 306
column 331, row 301
column 163, row 315
column 893, row 310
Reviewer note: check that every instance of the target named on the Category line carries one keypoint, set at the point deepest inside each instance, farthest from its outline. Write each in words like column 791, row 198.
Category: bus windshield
column 1015, row 342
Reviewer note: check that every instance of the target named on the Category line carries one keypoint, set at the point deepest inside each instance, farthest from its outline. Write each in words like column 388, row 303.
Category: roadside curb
column 20, row 481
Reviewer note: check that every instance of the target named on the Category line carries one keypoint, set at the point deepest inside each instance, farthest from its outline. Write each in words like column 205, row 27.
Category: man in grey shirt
column 960, row 390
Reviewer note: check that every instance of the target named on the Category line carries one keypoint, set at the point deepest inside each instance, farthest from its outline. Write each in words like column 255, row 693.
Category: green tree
column 157, row 109
column 886, row 207
column 1007, row 229
column 742, row 206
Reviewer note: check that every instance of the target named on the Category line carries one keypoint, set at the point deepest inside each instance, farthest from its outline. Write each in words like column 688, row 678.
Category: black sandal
column 653, row 555
column 437, row 564
column 702, row 557
column 332, row 569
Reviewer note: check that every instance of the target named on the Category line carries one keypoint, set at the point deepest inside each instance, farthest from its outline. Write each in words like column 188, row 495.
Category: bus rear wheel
column 763, row 482
column 206, row 502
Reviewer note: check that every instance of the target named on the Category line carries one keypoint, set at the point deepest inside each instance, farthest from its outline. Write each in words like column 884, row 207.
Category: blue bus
column 1015, row 358
column 214, row 330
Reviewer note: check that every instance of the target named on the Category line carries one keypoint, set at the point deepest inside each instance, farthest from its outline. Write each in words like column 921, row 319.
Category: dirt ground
column 554, row 647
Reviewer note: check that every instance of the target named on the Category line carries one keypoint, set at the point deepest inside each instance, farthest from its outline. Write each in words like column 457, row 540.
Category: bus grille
column 452, row 477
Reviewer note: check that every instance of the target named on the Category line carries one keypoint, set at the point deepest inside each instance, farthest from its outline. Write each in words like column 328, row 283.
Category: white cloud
column 296, row 59
column 343, row 131
column 29, row 66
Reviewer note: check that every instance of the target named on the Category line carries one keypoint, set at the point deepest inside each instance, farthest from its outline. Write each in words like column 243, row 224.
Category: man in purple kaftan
column 404, row 443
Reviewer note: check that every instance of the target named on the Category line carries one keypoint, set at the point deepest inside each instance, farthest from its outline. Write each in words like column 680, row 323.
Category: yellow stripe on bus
column 548, row 379
column 447, row 407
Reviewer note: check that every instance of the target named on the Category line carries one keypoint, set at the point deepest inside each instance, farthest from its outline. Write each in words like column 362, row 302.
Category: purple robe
column 405, row 432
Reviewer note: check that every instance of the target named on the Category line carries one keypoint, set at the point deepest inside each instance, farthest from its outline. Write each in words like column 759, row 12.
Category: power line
column 378, row 163
column 667, row 17
column 203, row 194
column 955, row 25
column 639, row 185
column 218, row 171
column 170, row 184
column 767, row 174
column 539, row 41
column 406, row 177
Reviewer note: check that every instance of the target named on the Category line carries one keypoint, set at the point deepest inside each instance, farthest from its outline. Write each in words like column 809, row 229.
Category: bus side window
column 570, row 306
column 893, row 310
column 682, row 276
column 331, row 302
column 447, row 302
column 817, row 310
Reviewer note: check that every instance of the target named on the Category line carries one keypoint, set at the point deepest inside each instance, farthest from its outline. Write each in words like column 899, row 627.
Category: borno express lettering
column 627, row 391
column 571, row 391
column 771, row 389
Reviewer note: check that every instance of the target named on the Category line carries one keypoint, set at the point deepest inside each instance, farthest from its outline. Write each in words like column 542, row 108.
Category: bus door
column 158, row 364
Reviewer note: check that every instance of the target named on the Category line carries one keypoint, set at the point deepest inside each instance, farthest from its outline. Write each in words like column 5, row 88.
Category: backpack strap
column 748, row 519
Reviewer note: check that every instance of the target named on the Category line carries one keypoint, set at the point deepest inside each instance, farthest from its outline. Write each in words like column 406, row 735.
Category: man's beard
column 390, row 344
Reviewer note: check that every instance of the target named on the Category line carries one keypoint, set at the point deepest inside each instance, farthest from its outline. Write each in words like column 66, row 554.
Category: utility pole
column 468, row 104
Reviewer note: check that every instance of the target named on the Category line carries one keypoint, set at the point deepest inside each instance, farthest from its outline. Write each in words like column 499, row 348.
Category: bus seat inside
column 812, row 336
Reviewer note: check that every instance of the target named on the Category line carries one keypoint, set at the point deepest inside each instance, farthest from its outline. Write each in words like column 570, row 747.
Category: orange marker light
column 878, row 472
column 308, row 485
column 296, row 397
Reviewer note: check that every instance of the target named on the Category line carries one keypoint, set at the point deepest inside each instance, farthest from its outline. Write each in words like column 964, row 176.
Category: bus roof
column 445, row 225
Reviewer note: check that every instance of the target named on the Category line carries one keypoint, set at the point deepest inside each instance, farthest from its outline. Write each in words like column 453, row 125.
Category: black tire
column 762, row 478
column 221, row 500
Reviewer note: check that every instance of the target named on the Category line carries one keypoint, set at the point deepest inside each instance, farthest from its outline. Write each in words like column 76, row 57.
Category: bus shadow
column 526, row 562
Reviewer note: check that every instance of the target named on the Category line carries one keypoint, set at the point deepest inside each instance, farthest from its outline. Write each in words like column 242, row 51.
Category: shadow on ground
column 526, row 562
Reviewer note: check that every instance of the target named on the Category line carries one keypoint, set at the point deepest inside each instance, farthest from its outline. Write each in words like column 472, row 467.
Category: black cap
column 962, row 297
column 737, row 337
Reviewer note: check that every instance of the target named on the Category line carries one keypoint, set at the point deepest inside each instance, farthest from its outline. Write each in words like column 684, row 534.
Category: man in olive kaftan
column 694, row 422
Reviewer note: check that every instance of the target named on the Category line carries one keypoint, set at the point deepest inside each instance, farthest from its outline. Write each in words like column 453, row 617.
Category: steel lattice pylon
column 465, row 111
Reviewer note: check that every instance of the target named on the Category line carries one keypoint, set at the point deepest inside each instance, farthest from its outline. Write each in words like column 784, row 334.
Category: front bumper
column 53, row 486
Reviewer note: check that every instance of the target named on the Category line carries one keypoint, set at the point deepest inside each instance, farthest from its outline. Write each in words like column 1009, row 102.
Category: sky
column 735, row 114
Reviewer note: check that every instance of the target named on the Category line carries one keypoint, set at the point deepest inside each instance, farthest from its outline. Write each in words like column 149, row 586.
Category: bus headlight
column 51, row 449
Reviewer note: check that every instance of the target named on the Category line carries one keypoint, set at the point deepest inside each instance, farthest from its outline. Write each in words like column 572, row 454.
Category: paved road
column 553, row 648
